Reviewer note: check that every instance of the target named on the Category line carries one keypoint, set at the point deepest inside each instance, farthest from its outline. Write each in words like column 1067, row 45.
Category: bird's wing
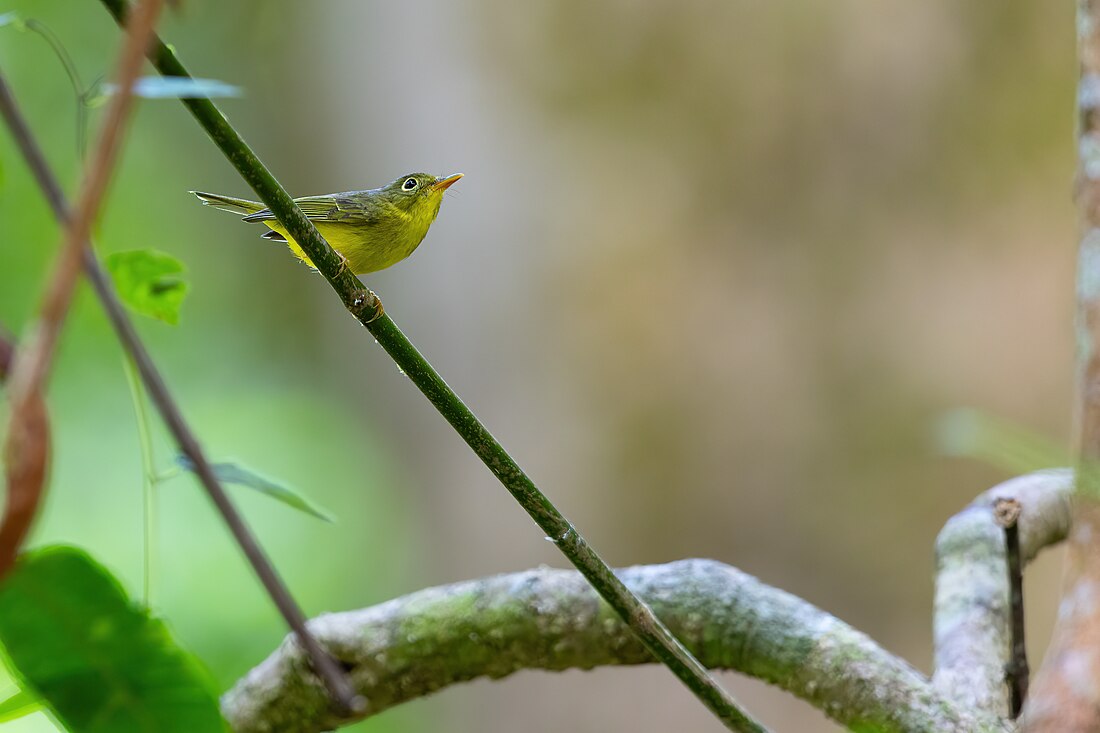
column 333, row 208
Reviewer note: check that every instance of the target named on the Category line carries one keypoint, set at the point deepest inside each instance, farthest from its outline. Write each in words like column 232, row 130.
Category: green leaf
column 1014, row 448
column 233, row 473
column 100, row 663
column 150, row 282
column 178, row 87
column 998, row 442
column 20, row 704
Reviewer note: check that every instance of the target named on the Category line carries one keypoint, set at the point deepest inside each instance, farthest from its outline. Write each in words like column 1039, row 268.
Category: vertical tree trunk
column 1065, row 696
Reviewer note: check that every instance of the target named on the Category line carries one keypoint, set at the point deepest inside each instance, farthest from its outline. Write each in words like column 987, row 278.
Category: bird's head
column 419, row 191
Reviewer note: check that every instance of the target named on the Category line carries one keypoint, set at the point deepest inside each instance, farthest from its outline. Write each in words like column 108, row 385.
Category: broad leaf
column 150, row 282
column 100, row 663
column 233, row 473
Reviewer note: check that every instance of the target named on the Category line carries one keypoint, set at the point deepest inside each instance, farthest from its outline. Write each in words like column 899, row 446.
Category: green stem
column 148, row 477
column 368, row 310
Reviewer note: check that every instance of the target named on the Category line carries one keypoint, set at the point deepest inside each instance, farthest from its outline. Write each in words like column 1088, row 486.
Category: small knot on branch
column 1006, row 512
column 365, row 306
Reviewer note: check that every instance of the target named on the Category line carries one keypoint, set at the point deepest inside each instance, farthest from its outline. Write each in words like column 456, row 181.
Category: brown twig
column 972, row 621
column 1006, row 512
column 25, row 469
column 27, row 447
column 7, row 351
column 27, row 460
column 333, row 677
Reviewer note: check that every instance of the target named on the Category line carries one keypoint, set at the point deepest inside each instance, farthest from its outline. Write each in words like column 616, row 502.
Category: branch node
column 365, row 306
column 1006, row 512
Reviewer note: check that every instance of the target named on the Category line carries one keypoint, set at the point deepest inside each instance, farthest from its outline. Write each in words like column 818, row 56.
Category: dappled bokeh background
column 714, row 273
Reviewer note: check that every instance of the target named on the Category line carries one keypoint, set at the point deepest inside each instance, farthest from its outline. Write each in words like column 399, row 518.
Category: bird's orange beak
column 444, row 183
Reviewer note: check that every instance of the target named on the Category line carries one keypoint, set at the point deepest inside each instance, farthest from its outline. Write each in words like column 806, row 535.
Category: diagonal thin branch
column 972, row 618
column 333, row 677
column 26, row 449
column 366, row 307
column 552, row 620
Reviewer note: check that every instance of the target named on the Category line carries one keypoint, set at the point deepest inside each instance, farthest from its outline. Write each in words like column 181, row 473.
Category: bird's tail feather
column 229, row 203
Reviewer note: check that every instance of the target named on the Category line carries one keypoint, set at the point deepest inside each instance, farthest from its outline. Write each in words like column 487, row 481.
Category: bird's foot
column 345, row 266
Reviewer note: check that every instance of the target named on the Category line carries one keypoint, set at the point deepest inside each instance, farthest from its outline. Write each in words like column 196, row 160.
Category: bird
column 371, row 229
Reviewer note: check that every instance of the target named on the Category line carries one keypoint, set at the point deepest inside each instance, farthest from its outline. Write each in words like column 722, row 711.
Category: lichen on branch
column 552, row 620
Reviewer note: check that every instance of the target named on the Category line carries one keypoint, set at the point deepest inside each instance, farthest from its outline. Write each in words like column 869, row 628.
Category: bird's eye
column 409, row 184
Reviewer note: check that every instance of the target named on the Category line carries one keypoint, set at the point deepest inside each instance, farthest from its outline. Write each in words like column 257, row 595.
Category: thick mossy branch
column 972, row 619
column 553, row 620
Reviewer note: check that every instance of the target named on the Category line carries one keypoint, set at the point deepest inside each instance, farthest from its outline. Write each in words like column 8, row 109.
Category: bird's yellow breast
column 369, row 247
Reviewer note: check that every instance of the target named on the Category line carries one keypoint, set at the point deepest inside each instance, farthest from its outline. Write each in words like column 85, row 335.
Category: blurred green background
column 713, row 274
